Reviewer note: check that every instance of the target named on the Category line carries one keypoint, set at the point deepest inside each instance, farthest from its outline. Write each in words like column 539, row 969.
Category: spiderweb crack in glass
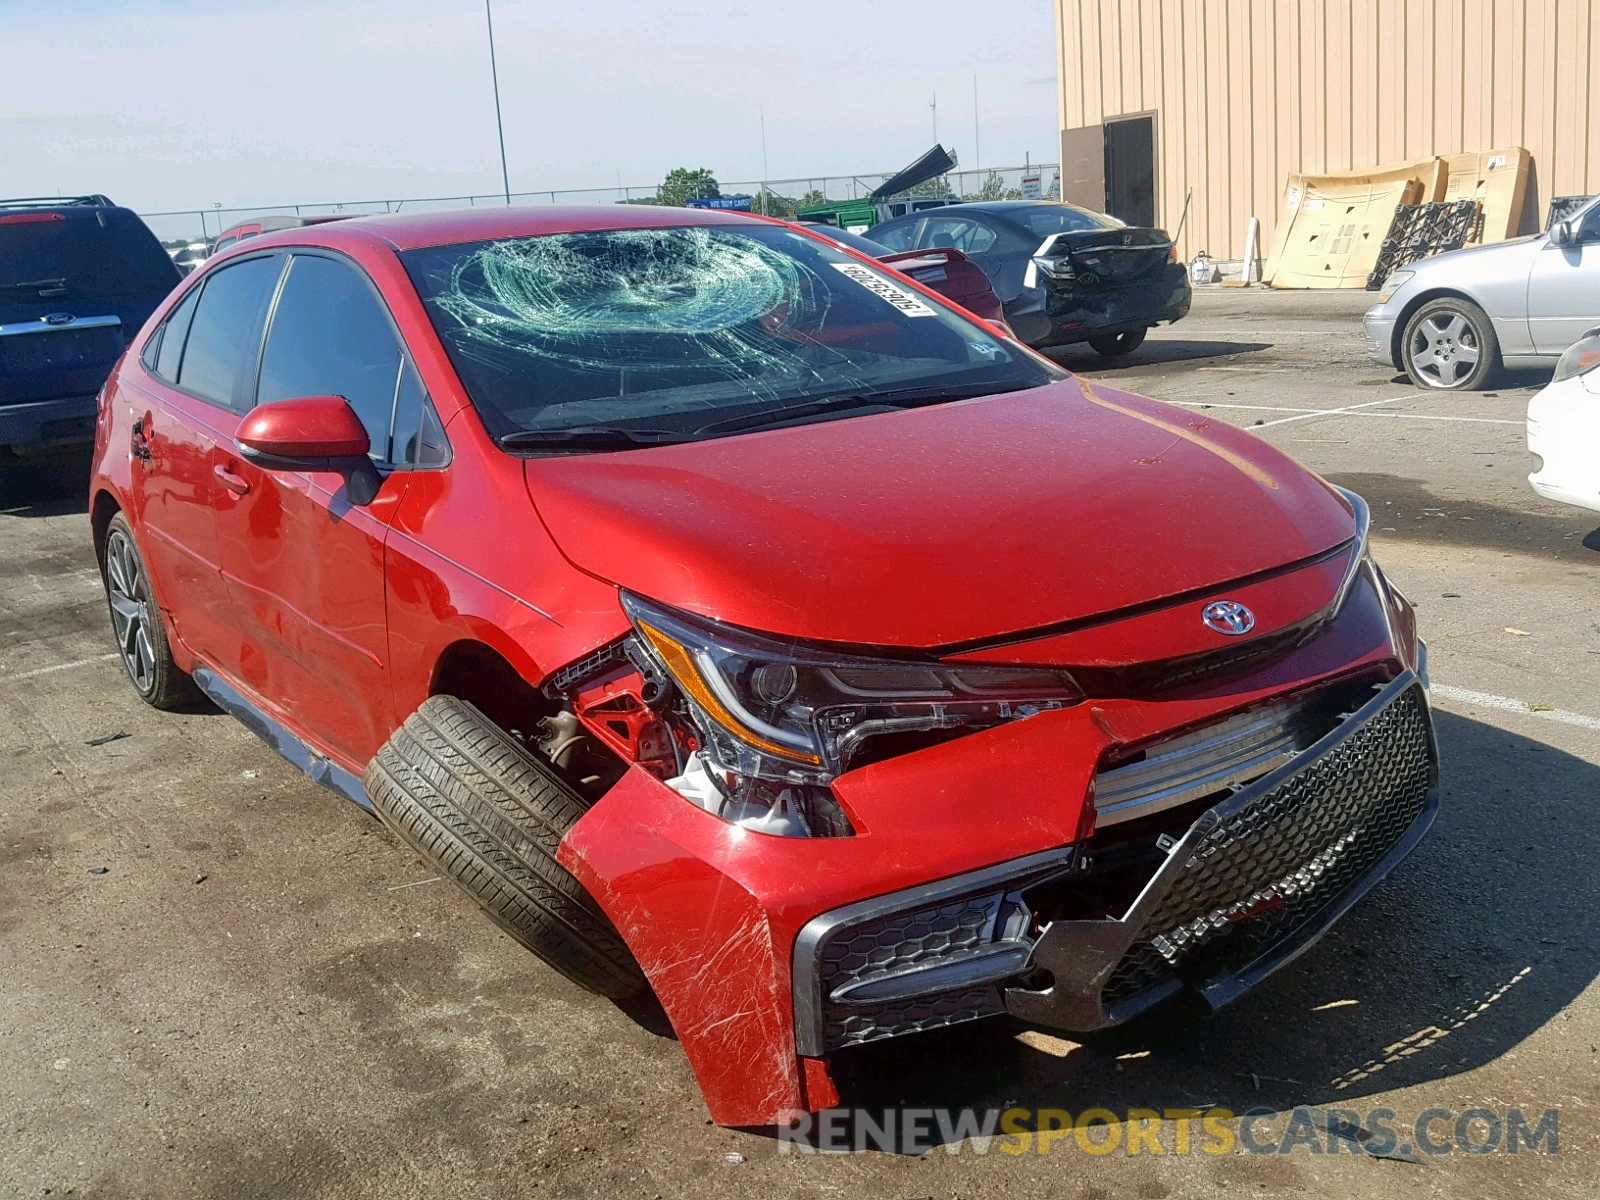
column 586, row 300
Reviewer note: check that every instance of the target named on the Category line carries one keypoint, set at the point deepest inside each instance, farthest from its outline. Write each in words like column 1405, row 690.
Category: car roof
column 414, row 231
column 993, row 208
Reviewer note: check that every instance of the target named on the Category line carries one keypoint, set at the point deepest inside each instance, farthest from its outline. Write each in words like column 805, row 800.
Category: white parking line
column 66, row 666
column 1431, row 417
column 1305, row 413
column 1507, row 704
column 1335, row 412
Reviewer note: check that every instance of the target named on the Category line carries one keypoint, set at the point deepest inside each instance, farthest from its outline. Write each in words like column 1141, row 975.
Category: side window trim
column 266, row 331
column 158, row 339
column 151, row 354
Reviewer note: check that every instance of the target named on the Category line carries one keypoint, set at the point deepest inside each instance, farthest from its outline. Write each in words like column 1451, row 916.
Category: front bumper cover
column 1377, row 326
column 1272, row 867
column 713, row 913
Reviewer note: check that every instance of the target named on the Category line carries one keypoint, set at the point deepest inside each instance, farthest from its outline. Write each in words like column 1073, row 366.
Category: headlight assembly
column 1395, row 281
column 774, row 715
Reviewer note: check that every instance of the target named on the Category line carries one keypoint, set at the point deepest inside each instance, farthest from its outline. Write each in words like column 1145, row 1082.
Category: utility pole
column 933, row 105
column 765, row 170
column 494, row 75
column 977, row 146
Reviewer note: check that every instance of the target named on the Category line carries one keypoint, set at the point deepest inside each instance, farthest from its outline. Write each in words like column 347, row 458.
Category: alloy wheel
column 130, row 611
column 1445, row 349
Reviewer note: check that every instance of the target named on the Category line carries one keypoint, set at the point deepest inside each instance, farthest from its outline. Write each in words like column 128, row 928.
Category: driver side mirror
column 1563, row 234
column 311, row 433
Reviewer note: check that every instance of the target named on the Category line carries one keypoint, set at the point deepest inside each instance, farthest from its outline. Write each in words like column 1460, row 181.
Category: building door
column 1130, row 147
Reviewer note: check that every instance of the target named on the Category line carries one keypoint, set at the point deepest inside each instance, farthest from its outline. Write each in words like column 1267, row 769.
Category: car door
column 303, row 560
column 1564, row 287
column 186, row 403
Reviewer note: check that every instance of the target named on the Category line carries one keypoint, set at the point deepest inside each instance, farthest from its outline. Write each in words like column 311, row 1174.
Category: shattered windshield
column 578, row 341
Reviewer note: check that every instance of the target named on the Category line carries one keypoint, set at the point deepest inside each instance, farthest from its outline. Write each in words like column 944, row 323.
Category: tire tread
column 468, row 798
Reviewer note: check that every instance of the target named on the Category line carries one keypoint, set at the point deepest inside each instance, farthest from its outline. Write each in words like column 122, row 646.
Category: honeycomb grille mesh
column 1262, row 872
column 877, row 947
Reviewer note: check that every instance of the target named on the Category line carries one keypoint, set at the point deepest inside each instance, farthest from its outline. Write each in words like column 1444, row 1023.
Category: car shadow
column 1471, row 946
column 1151, row 353
column 1405, row 510
column 53, row 486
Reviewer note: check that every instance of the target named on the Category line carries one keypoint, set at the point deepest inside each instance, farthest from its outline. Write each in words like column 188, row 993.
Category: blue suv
column 78, row 277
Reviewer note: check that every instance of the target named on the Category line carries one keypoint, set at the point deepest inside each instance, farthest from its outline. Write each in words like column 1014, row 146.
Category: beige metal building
column 1229, row 97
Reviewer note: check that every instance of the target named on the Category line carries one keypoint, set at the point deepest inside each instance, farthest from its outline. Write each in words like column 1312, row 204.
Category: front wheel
column 1116, row 345
column 489, row 815
column 1449, row 345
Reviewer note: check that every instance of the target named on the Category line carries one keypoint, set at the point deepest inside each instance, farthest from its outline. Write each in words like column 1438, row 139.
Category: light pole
column 494, row 74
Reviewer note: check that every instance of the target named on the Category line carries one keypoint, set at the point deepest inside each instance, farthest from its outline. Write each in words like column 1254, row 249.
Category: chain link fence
column 780, row 197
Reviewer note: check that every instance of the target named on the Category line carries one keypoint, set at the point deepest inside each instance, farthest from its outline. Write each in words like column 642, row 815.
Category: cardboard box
column 1332, row 226
column 1497, row 179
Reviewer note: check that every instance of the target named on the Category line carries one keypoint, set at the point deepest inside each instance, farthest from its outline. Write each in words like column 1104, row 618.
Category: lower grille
column 1258, row 874
column 875, row 949
column 913, row 961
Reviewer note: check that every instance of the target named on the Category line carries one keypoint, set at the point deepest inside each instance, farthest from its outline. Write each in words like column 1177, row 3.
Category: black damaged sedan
column 1063, row 274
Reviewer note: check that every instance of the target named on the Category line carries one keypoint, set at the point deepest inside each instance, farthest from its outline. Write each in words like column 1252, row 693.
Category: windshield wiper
column 34, row 285
column 910, row 397
column 589, row 437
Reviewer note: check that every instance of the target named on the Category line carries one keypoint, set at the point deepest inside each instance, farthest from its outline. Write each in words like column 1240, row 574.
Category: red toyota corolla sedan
column 733, row 618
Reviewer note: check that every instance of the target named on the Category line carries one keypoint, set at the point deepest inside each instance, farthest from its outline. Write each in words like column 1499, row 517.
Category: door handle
column 141, row 439
column 237, row 484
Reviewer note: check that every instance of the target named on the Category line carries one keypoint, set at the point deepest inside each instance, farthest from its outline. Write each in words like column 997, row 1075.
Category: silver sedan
column 1451, row 321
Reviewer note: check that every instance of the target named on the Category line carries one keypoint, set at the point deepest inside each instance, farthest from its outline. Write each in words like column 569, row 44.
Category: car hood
column 941, row 525
column 1451, row 260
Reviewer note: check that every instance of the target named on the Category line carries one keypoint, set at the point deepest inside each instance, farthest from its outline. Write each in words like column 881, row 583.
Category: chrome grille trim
column 1226, row 755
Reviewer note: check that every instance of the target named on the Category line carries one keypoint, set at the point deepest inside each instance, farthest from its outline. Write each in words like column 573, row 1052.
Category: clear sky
column 185, row 103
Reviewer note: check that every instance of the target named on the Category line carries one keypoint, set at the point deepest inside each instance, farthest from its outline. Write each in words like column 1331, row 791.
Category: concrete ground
column 217, row 979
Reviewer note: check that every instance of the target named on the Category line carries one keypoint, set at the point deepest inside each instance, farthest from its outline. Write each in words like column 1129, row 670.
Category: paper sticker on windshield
column 908, row 303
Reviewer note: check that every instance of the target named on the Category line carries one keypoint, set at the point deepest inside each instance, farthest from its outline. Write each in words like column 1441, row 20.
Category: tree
column 994, row 188
column 774, row 204
column 811, row 199
column 683, row 184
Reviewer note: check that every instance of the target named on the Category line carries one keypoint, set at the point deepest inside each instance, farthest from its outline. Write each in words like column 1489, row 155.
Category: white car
column 1564, row 428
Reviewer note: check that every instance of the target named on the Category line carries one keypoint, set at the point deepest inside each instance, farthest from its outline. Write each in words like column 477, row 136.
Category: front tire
column 1449, row 345
column 136, row 623
column 470, row 799
column 1117, row 345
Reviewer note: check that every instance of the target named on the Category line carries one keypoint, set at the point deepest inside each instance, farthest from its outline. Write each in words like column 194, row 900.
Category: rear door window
column 332, row 336
column 173, row 333
column 959, row 233
column 224, row 343
column 896, row 238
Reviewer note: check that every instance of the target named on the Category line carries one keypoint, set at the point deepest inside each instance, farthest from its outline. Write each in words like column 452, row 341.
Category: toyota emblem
column 1229, row 617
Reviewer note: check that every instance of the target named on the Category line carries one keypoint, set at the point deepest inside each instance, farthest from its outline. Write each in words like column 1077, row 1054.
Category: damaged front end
column 754, row 730
column 1223, row 855
column 811, row 851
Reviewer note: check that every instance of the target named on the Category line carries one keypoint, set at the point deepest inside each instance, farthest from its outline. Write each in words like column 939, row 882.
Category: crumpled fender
column 711, row 911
